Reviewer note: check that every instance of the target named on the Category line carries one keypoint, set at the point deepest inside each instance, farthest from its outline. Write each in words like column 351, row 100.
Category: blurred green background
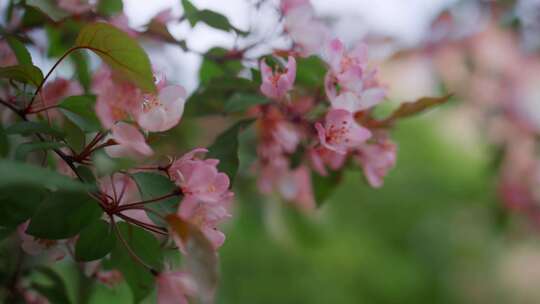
column 435, row 233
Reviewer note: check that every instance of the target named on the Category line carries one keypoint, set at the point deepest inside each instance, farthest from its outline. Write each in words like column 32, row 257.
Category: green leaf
column 22, row 54
column 218, row 21
column 25, row 148
column 190, row 11
column 243, row 101
column 121, row 52
column 31, row 127
column 34, row 17
column 110, row 7
column 152, row 185
column 4, row 142
column 80, row 110
column 22, row 73
column 49, row 8
column 63, row 215
column 225, row 148
column 13, row 173
column 310, row 71
column 324, row 186
column 95, row 241
column 82, row 69
column 50, row 284
column 210, row 98
column 18, row 203
column 106, row 165
column 145, row 246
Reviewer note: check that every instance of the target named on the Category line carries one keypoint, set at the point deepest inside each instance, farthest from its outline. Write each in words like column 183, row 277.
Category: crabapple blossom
column 276, row 84
column 295, row 186
column 53, row 249
column 76, row 6
column 376, row 159
column 122, row 189
column 7, row 57
column 162, row 112
column 322, row 157
column 54, row 91
column 129, row 142
column 200, row 179
column 306, row 31
column 341, row 132
column 173, row 287
column 206, row 216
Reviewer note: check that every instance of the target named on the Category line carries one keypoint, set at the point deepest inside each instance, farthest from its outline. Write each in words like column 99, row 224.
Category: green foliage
column 110, row 7
column 27, row 128
column 48, row 8
column 20, row 51
column 324, row 186
column 225, row 148
column 82, row 69
column 13, row 173
column 243, row 101
column 145, row 246
column 81, row 111
column 18, row 203
column 22, row 73
column 211, row 18
column 50, row 284
column 71, row 211
column 210, row 98
column 4, row 142
column 25, row 148
column 152, row 185
column 121, row 52
column 95, row 241
column 310, row 71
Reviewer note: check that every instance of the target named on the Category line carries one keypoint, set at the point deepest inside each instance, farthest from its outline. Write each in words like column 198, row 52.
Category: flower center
column 150, row 102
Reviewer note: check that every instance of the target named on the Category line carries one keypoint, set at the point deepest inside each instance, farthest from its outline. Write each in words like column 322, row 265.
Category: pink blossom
column 376, row 159
column 341, row 132
column 121, row 21
column 306, row 31
column 7, row 57
column 164, row 16
column 173, row 287
column 286, row 136
column 129, row 142
column 53, row 92
column 354, row 103
column 122, row 189
column 53, row 249
column 270, row 172
column 200, row 179
column 206, row 216
column 76, row 6
column 296, row 188
column 162, row 112
column 321, row 157
column 276, row 84
column 116, row 98
column 287, row 5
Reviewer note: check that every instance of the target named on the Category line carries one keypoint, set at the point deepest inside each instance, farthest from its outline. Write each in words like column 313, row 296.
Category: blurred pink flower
column 173, row 287
column 164, row 111
column 376, row 160
column 76, row 7
column 54, row 250
column 341, row 132
column 295, row 187
column 7, row 57
column 129, row 142
column 53, row 92
column 276, row 84
column 200, row 179
column 321, row 157
column 307, row 32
